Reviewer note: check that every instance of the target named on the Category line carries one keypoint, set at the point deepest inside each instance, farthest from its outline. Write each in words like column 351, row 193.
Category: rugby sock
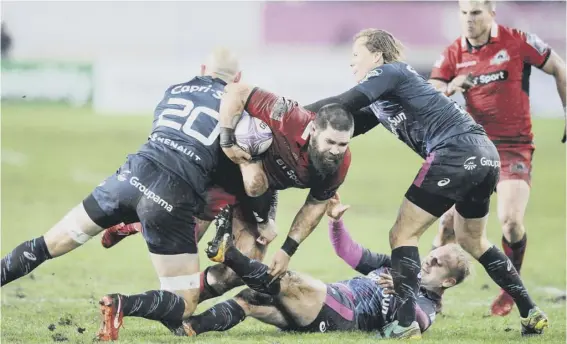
column 253, row 273
column 155, row 305
column 515, row 252
column 221, row 317
column 23, row 259
column 502, row 271
column 405, row 269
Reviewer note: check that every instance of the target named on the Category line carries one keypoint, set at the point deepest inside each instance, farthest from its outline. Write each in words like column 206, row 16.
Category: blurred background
column 118, row 57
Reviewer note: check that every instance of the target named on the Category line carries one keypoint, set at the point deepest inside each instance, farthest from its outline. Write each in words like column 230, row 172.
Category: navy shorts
column 463, row 171
column 142, row 191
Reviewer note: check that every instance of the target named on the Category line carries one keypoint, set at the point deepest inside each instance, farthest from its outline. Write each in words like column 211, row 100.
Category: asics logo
column 322, row 326
column 444, row 182
column 29, row 256
column 470, row 164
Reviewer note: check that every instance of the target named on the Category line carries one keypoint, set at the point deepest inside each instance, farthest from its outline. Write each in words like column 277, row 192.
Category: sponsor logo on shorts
column 444, row 182
column 485, row 79
column 487, row 162
column 134, row 181
column 518, row 167
column 322, row 326
column 123, row 176
column 470, row 163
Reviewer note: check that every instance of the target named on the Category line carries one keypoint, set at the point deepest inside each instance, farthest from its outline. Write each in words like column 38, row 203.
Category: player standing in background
column 162, row 186
column 491, row 65
column 309, row 150
column 461, row 168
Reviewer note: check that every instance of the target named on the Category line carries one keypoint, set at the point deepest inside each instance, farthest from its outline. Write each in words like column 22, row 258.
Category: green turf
column 68, row 152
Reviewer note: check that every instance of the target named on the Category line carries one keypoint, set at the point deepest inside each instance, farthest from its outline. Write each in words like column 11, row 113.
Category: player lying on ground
column 162, row 186
column 461, row 168
column 491, row 64
column 299, row 302
column 309, row 150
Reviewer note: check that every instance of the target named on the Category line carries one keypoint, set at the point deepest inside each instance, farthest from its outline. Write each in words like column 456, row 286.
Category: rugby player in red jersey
column 309, row 150
column 491, row 65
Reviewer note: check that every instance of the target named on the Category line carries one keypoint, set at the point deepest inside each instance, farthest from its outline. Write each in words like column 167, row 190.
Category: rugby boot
column 503, row 304
column 395, row 331
column 115, row 234
column 535, row 323
column 217, row 247
column 111, row 317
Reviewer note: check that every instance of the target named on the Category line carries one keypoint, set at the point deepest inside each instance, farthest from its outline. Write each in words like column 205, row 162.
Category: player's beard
column 324, row 163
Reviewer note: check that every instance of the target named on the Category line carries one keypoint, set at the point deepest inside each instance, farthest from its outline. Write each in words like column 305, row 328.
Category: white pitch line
column 14, row 158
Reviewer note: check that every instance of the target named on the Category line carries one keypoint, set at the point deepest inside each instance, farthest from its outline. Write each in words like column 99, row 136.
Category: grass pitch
column 52, row 157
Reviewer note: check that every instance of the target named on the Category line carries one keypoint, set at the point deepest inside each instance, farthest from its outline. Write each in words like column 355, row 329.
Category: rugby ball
column 253, row 135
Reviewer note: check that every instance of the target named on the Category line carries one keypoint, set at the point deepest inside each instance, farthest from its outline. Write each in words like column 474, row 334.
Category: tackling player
column 309, row 150
column 461, row 168
column 491, row 64
column 162, row 186
column 299, row 302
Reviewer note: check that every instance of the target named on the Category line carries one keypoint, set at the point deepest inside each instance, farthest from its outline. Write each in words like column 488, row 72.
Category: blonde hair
column 462, row 267
column 491, row 5
column 384, row 42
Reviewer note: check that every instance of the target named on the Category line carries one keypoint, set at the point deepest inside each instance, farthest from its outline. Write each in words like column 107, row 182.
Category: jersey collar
column 494, row 37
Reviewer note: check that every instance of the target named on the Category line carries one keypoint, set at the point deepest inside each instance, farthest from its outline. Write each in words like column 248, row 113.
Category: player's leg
column 166, row 210
column 301, row 295
column 470, row 228
column 225, row 315
column 513, row 195
column 219, row 278
column 99, row 210
column 446, row 233
column 420, row 208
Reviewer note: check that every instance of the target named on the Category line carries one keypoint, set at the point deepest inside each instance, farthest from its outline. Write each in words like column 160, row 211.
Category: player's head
column 372, row 48
column 222, row 64
column 330, row 135
column 477, row 17
column 444, row 267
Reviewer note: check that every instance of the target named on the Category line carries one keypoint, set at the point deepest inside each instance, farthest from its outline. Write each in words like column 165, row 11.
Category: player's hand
column 335, row 209
column 268, row 232
column 387, row 283
column 236, row 154
column 461, row 84
column 279, row 264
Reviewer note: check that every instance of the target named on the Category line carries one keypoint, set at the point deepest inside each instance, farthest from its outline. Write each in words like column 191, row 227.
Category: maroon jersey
column 286, row 162
column 499, row 101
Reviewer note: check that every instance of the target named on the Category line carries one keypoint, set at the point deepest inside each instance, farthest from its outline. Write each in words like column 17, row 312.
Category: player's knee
column 248, row 299
column 222, row 278
column 511, row 224
column 73, row 230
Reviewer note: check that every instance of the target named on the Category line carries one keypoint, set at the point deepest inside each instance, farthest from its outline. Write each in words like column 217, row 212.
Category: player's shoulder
column 387, row 69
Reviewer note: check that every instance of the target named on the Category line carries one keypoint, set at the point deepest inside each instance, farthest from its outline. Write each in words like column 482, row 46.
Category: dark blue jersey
column 407, row 105
column 184, row 138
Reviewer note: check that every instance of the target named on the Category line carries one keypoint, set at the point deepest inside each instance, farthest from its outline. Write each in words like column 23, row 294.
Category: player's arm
column 444, row 75
column 354, row 254
column 366, row 120
column 537, row 53
column 377, row 82
column 232, row 104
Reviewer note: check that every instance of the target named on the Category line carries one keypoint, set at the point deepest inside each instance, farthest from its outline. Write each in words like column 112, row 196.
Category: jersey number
column 191, row 112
